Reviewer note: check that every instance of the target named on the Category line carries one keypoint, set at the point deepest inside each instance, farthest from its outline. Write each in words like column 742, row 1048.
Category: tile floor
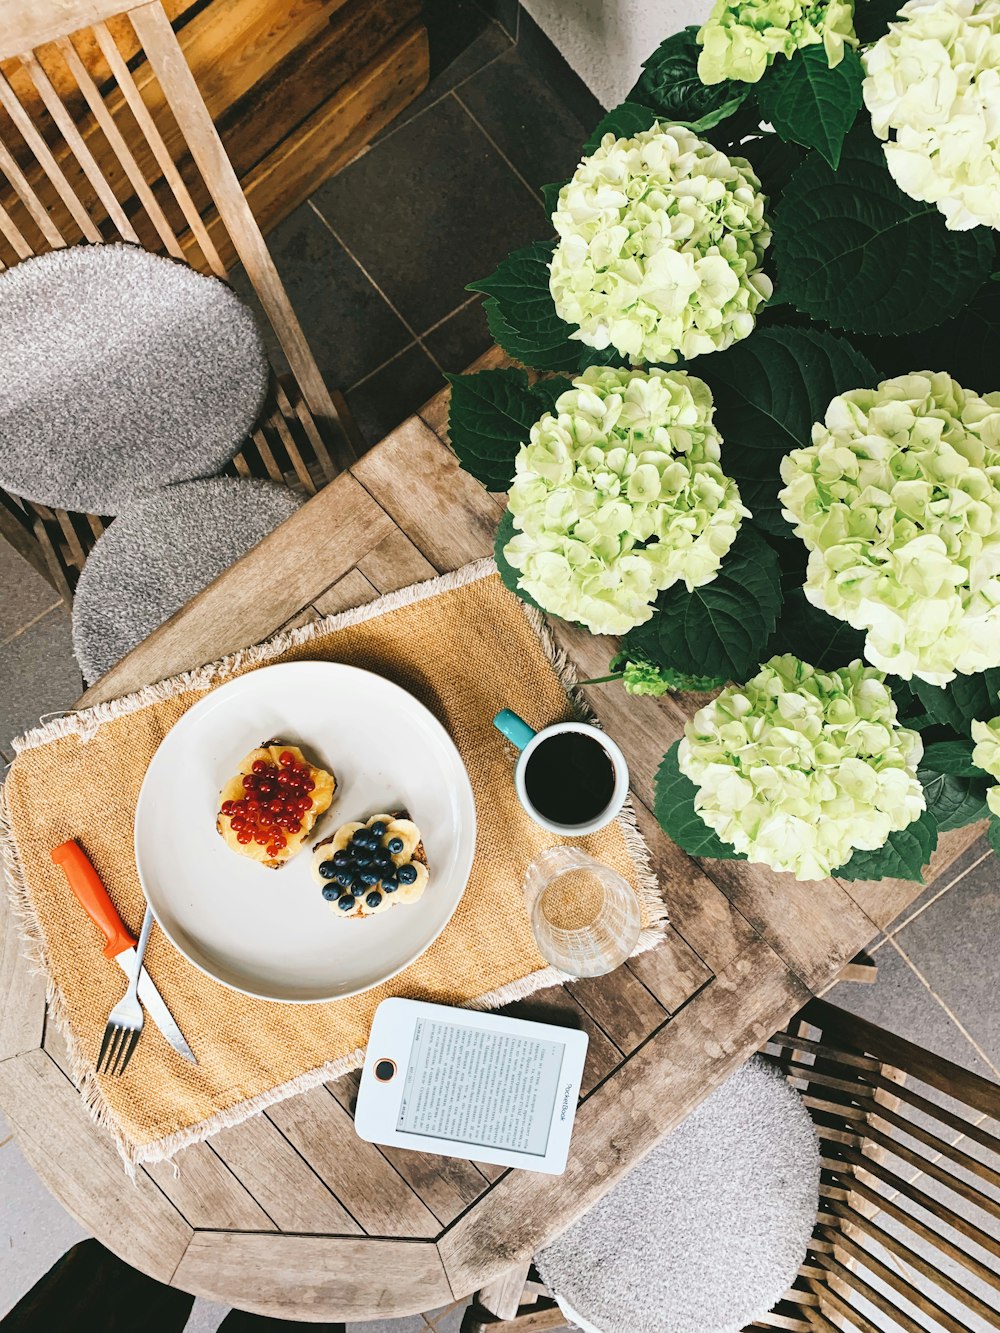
column 376, row 264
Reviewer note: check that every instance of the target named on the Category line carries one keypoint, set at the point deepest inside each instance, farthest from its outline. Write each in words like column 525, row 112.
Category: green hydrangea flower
column 661, row 241
column 742, row 37
column 898, row 500
column 799, row 767
column 647, row 678
column 618, row 495
column 933, row 81
column 986, row 753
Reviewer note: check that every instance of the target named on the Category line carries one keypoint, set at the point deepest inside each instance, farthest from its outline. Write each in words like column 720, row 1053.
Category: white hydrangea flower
column 799, row 767
column 742, row 37
column 986, row 753
column 934, row 81
column 898, row 500
column 661, row 241
column 618, row 495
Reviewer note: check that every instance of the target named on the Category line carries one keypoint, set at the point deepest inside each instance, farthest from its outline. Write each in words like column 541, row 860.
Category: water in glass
column 584, row 914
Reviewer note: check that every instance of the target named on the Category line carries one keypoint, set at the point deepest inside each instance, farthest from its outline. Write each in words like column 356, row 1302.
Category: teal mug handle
column 514, row 728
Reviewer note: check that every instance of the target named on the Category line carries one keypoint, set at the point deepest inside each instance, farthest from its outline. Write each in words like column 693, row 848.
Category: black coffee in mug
column 569, row 778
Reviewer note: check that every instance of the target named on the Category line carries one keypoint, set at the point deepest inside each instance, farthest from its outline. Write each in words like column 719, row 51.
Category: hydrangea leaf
column 953, row 757
column 954, row 801
column 774, row 162
column 810, row 103
column 623, row 121
column 720, row 629
column 550, row 195
column 965, row 346
column 490, row 416
column 674, row 809
column 853, row 250
column 508, row 574
column 903, row 856
column 768, row 391
column 993, row 833
column 669, row 83
column 812, row 635
column 962, row 700
column 522, row 317
column 872, row 18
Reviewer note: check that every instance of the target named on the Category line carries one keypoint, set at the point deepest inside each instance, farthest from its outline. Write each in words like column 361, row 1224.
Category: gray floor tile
column 393, row 393
column 527, row 120
column 24, row 594
column 34, row 1230
column 953, row 943
column 448, row 1320
column 413, row 1324
column 462, row 337
column 955, row 871
column 38, row 674
column 451, row 67
column 429, row 209
column 205, row 1317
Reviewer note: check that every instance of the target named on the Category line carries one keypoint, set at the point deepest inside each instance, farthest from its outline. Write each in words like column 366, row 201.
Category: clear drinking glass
column 584, row 914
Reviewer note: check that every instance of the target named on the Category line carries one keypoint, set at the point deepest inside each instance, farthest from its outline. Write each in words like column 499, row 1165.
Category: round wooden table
column 290, row 1214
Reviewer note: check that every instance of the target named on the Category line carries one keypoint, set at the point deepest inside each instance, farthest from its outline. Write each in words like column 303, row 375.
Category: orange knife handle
column 92, row 896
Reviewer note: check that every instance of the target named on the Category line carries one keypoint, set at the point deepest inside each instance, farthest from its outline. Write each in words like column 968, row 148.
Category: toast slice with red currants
column 269, row 808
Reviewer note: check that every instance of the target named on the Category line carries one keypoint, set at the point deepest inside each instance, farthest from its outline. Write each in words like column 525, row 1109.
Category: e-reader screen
column 479, row 1087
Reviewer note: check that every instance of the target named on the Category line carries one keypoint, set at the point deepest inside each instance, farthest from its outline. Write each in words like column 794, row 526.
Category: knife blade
column 92, row 896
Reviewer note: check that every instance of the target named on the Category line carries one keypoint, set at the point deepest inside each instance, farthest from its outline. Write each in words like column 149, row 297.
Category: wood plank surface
column 314, row 1277
column 80, row 1164
column 22, row 989
column 206, row 1193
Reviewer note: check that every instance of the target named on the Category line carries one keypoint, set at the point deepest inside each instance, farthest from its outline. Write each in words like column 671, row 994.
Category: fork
column 125, row 1020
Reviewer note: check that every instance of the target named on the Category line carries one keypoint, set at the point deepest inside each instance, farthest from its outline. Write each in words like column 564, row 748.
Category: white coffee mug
column 528, row 740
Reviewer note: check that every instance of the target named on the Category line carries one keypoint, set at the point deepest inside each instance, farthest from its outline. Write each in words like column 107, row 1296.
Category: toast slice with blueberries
column 366, row 868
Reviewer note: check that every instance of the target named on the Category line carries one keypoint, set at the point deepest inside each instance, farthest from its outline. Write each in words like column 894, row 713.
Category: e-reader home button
column 385, row 1070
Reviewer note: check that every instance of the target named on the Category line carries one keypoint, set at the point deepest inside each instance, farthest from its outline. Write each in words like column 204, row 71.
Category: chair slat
column 47, row 162
column 42, row 220
column 124, row 154
column 920, row 1300
column 14, row 235
column 74, row 141
column 123, row 77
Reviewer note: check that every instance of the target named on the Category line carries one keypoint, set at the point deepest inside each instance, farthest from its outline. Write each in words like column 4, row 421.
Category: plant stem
column 601, row 680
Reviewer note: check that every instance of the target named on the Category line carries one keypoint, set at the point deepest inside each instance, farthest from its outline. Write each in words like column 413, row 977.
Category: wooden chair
column 105, row 136
column 908, row 1231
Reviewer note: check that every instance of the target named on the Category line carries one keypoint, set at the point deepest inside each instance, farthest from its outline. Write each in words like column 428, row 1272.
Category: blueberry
column 395, row 845
column 382, row 860
column 345, row 877
column 374, row 898
column 346, row 902
column 330, row 892
column 357, row 888
column 407, row 874
column 328, row 869
column 389, row 884
column 368, row 877
column 359, row 837
column 377, row 829
column 342, row 857
column 363, row 858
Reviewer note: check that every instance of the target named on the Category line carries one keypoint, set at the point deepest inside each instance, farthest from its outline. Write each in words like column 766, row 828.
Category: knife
column 93, row 897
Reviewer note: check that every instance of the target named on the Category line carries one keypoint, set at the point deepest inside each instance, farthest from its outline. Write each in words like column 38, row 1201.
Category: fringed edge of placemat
column 87, row 722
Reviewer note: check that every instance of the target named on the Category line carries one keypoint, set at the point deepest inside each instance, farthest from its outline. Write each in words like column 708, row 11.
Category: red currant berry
column 286, row 758
column 260, row 766
column 308, row 784
column 244, row 836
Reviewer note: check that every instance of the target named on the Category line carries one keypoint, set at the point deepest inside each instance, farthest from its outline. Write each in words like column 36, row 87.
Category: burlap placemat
column 78, row 777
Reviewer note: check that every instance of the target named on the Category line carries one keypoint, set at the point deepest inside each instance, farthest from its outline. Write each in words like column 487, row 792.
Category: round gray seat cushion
column 707, row 1233
column 123, row 371
column 154, row 558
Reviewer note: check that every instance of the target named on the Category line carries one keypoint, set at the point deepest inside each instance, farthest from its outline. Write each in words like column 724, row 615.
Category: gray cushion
column 707, row 1233
column 122, row 371
column 154, row 558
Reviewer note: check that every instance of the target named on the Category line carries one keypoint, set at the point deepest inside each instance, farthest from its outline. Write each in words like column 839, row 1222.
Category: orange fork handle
column 92, row 896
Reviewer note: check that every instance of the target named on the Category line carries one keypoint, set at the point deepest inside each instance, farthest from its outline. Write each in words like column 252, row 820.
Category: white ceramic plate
column 269, row 933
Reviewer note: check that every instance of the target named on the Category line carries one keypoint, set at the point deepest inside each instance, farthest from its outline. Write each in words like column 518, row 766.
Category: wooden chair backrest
column 907, row 1235
column 105, row 136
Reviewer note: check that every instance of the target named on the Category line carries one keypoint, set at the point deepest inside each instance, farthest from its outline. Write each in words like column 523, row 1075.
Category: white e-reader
column 462, row 1083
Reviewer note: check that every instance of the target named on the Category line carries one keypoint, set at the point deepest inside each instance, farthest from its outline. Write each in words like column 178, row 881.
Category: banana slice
column 410, row 834
column 409, row 893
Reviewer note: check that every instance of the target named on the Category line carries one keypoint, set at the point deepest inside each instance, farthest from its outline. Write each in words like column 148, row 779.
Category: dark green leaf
column 674, row 809
column 872, row 18
column 721, row 629
column 774, row 163
column 508, row 574
column 670, row 85
column 962, row 700
column 490, row 417
column 951, row 757
column 522, row 317
column 768, row 391
column 809, row 103
column 550, row 195
column 624, row 122
column 903, row 857
column 954, row 801
column 853, row 250
column 993, row 833
column 815, row 637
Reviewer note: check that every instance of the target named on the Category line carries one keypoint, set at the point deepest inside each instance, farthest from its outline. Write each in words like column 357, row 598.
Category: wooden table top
column 291, row 1215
